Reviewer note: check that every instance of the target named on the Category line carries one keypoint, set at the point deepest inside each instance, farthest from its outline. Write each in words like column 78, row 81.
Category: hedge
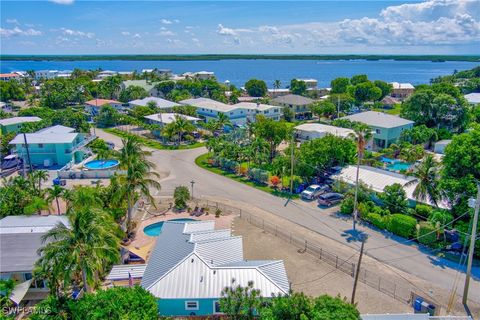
column 425, row 228
column 402, row 225
column 376, row 219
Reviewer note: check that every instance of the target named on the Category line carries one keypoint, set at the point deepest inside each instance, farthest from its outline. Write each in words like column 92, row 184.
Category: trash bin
column 431, row 310
column 417, row 304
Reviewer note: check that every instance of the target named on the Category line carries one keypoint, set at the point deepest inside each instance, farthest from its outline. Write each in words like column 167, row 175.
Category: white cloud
column 6, row 33
column 167, row 33
column 429, row 23
column 166, row 21
column 67, row 2
column 137, row 36
column 77, row 33
column 125, row 33
column 12, row 21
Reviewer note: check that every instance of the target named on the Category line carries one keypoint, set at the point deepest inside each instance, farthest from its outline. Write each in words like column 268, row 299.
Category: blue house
column 192, row 263
column 57, row 145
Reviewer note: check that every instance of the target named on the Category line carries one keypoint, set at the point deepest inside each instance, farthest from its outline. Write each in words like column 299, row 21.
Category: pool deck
column 143, row 242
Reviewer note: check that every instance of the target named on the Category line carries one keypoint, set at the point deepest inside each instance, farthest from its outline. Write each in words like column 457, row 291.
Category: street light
column 192, row 183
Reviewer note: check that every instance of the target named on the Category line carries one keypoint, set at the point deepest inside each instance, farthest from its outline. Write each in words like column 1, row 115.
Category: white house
column 309, row 131
column 266, row 110
column 311, row 83
column 166, row 118
column 440, row 146
column 473, row 98
column 402, row 90
column 160, row 103
column 192, row 262
column 45, row 74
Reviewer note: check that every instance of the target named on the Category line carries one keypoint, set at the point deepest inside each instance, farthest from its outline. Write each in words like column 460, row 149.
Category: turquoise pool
column 101, row 164
column 399, row 166
column 155, row 229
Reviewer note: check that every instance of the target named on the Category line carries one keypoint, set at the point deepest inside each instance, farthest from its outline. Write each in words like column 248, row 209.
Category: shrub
column 363, row 209
column 425, row 228
column 346, row 206
column 441, row 216
column 181, row 196
column 258, row 175
column 423, row 210
column 394, row 198
column 375, row 219
column 218, row 212
column 402, row 225
column 274, row 180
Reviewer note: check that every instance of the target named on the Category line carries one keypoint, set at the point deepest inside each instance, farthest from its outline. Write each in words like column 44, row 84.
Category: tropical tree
column 427, row 188
column 223, row 121
column 36, row 205
column 139, row 177
column 256, row 88
column 277, row 84
column 80, row 250
column 239, row 302
column 181, row 195
column 55, row 192
column 362, row 134
column 38, row 176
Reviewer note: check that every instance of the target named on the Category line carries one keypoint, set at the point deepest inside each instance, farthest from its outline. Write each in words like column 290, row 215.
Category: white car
column 313, row 191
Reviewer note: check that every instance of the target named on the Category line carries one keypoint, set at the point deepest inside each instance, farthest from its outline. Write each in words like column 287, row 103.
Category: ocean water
column 239, row 71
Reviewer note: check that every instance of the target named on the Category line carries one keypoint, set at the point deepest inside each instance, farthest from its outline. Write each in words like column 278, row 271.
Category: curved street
column 179, row 168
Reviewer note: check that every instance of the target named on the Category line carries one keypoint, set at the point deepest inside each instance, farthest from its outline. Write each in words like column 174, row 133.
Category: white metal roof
column 121, row 272
column 378, row 119
column 209, row 104
column 58, row 129
column 161, row 103
column 16, row 120
column 30, row 224
column 324, row 129
column 473, row 97
column 404, row 316
column 397, row 85
column 167, row 118
column 255, row 106
column 55, row 138
column 209, row 234
column 377, row 179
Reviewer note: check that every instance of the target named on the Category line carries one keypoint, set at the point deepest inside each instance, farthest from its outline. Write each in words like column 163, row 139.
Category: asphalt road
column 179, row 168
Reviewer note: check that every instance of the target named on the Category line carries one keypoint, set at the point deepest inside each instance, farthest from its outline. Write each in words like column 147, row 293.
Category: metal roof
column 30, row 224
column 58, row 129
column 161, row 103
column 121, row 272
column 324, row 129
column 378, row 119
column 167, row 118
column 192, row 260
column 473, row 97
column 17, row 120
column 18, row 251
column 208, row 104
column 293, row 99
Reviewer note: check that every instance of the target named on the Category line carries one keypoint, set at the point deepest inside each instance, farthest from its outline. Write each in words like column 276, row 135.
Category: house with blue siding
column 15, row 124
column 386, row 128
column 52, row 146
column 192, row 263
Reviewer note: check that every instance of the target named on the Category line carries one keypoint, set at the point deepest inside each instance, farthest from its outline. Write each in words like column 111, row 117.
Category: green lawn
column 202, row 161
column 394, row 111
column 153, row 143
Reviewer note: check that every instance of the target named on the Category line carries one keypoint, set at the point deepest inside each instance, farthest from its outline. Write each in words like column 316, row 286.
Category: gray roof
column 473, row 98
column 17, row 120
column 121, row 272
column 55, row 134
column 30, row 224
column 56, row 129
column 378, row 119
column 139, row 83
column 161, row 103
column 293, row 99
column 18, row 251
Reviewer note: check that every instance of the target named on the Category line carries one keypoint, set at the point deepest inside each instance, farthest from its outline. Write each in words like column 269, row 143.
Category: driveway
column 179, row 168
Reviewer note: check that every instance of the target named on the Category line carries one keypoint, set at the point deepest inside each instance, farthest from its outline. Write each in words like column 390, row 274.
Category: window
column 231, row 113
column 191, row 305
column 28, row 276
column 378, row 131
column 216, row 307
column 40, row 145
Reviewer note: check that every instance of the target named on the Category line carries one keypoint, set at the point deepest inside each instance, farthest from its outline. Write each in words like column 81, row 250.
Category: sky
column 250, row 27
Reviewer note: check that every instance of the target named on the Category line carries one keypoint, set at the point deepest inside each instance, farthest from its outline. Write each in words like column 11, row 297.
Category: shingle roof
column 161, row 103
column 16, row 120
column 293, row 99
column 378, row 119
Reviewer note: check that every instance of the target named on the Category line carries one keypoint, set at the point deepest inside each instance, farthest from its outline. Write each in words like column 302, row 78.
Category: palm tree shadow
column 354, row 235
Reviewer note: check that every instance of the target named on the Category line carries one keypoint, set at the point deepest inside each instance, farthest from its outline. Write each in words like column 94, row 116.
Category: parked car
column 330, row 199
column 313, row 191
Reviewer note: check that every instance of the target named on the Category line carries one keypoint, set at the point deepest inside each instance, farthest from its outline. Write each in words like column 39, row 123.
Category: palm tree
column 55, row 192
column 182, row 125
column 82, row 249
column 139, row 177
column 39, row 175
column 362, row 134
column 223, row 121
column 36, row 205
column 277, row 84
column 425, row 174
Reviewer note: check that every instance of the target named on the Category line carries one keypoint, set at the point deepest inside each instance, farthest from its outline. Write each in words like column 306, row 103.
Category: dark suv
column 329, row 199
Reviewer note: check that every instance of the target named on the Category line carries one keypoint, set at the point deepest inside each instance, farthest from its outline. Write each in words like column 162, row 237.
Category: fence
column 398, row 291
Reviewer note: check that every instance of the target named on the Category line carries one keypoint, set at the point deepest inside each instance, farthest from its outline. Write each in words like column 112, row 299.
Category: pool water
column 155, row 229
column 101, row 164
column 399, row 166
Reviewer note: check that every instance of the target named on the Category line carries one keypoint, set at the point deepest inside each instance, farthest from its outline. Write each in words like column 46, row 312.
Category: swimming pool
column 399, row 166
column 155, row 229
column 101, row 164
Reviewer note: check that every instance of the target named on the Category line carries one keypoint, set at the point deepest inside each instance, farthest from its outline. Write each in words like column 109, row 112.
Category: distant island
column 199, row 57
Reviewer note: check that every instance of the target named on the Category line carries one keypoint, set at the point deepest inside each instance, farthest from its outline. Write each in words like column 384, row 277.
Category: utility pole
column 291, row 164
column 192, row 183
column 28, row 152
column 472, row 203
column 357, row 272
column 355, row 202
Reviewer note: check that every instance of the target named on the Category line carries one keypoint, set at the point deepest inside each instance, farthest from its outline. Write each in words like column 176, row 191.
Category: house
column 440, row 146
column 402, row 90
column 309, row 131
column 45, row 74
column 298, row 104
column 311, row 83
column 473, row 98
column 14, row 124
column 159, row 72
column 160, row 103
column 64, row 74
column 386, row 128
column 20, row 240
column 209, row 109
column 57, row 145
column 389, row 102
column 278, row 92
column 192, row 263
column 148, row 86
column 9, row 76
column 166, row 118
column 377, row 179
column 93, row 106
column 255, row 109
column 105, row 74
